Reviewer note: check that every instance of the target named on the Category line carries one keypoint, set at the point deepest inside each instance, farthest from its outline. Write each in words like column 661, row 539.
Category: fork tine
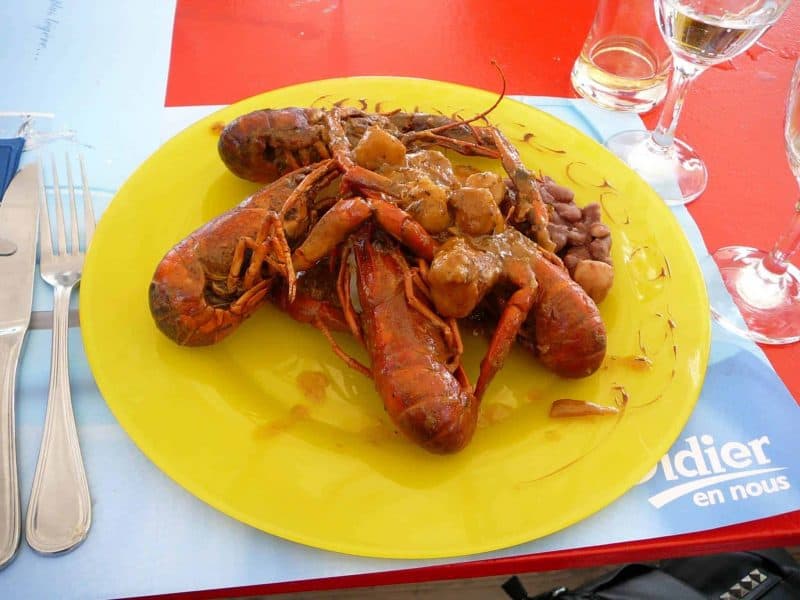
column 45, row 242
column 60, row 228
column 88, row 209
column 73, row 209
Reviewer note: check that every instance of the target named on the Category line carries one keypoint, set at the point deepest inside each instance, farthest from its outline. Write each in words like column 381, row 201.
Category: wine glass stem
column 683, row 74
column 776, row 261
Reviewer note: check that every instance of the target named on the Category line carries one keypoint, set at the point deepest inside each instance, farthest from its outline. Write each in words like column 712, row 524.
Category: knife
column 19, row 214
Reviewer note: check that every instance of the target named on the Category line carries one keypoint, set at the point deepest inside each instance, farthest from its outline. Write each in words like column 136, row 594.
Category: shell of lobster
column 431, row 405
column 265, row 144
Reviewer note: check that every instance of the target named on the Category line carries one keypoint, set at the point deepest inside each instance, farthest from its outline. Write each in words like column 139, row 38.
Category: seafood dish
column 364, row 225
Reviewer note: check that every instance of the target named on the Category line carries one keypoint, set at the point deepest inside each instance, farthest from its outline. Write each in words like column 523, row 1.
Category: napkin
column 10, row 153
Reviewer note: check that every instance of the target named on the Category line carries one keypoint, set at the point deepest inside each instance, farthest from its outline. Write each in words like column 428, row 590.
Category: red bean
column 599, row 230
column 600, row 248
column 569, row 212
column 559, row 192
column 577, row 237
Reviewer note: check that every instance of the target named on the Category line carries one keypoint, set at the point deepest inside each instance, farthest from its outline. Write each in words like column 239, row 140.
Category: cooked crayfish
column 264, row 144
column 425, row 393
column 208, row 283
column 274, row 246
column 569, row 335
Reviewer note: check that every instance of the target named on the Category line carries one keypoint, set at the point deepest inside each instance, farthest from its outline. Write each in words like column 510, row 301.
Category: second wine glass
column 700, row 34
column 765, row 286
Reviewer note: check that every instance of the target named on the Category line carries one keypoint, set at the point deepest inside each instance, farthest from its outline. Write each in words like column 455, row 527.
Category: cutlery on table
column 60, row 510
column 19, row 212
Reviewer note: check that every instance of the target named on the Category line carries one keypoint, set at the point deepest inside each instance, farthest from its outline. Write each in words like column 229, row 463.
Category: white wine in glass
column 765, row 286
column 700, row 34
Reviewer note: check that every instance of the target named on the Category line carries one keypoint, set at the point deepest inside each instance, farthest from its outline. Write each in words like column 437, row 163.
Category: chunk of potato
column 377, row 147
column 489, row 180
column 476, row 212
column 428, row 205
column 595, row 277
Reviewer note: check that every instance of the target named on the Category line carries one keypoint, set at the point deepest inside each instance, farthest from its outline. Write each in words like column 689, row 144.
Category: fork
column 59, row 510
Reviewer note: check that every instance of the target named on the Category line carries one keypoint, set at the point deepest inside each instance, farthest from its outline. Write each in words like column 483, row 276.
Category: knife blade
column 19, row 214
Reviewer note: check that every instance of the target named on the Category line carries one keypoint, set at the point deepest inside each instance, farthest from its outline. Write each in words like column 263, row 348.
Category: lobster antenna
column 499, row 98
column 459, row 122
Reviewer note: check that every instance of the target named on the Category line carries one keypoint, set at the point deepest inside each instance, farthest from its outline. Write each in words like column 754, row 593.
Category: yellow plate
column 245, row 427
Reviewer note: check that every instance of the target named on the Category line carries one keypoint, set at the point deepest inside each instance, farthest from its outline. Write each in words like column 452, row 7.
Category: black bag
column 768, row 574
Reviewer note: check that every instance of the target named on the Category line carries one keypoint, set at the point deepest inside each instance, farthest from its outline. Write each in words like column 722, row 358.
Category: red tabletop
column 223, row 52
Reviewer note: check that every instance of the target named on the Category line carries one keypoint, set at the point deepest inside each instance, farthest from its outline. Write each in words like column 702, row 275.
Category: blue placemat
column 735, row 461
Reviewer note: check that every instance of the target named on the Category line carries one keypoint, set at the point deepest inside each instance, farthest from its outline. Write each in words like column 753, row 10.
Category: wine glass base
column 662, row 167
column 769, row 303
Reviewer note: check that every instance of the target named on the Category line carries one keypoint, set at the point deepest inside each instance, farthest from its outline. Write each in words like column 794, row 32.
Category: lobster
column 211, row 281
column 430, row 402
column 414, row 356
column 264, row 144
column 216, row 277
column 544, row 307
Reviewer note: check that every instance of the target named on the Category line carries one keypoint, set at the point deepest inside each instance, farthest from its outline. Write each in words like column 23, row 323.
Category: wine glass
column 765, row 286
column 700, row 34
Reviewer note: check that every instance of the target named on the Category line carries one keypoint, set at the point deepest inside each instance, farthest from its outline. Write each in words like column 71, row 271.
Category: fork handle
column 59, row 511
column 10, row 346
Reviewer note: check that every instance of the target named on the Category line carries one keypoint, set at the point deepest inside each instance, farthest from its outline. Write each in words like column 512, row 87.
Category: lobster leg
column 273, row 233
column 312, row 305
column 531, row 206
column 310, row 185
column 511, row 321
column 343, row 291
column 422, row 308
column 364, row 179
column 310, row 310
column 248, row 302
column 391, row 217
column 339, row 144
column 332, row 228
column 402, row 226
column 337, row 349
column 270, row 239
column 314, row 300
column 461, row 146
column 347, row 214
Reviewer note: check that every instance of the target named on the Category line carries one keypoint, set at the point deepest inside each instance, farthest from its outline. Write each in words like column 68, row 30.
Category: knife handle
column 60, row 508
column 10, row 346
